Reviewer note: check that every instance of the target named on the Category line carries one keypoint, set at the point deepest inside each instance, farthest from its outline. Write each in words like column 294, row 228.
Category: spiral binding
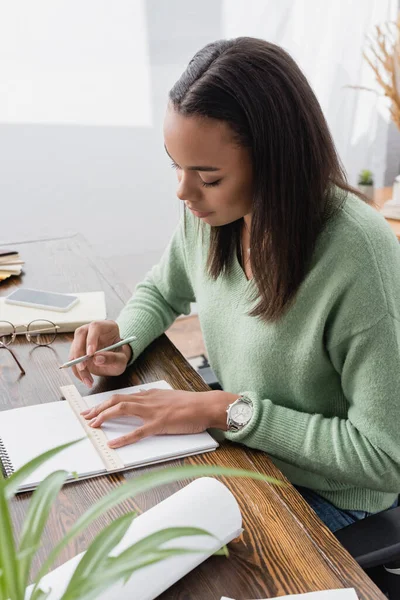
column 5, row 462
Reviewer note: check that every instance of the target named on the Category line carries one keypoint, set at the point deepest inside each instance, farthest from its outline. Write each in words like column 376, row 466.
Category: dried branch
column 382, row 53
column 362, row 87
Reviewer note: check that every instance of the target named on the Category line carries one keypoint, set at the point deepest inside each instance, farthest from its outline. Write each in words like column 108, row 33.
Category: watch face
column 241, row 413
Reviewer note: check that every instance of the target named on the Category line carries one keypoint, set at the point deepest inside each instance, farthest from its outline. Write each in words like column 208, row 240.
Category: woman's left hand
column 163, row 412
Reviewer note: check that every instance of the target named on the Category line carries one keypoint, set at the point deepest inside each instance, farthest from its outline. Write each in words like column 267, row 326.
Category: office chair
column 202, row 366
column 375, row 544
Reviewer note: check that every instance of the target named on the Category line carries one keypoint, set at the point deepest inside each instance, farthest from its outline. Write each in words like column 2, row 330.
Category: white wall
column 83, row 90
column 81, row 146
column 326, row 38
column 74, row 62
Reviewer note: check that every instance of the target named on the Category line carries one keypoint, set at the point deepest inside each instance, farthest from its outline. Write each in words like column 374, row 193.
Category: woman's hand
column 163, row 412
column 92, row 337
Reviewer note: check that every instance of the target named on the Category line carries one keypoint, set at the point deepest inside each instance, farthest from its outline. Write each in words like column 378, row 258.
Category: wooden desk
column 284, row 549
column 381, row 196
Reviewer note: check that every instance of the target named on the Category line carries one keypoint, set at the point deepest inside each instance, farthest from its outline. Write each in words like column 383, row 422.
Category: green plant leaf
column 116, row 569
column 113, row 572
column 2, row 597
column 121, row 567
column 26, row 552
column 366, row 177
column 35, row 521
column 13, row 483
column 8, row 558
column 141, row 484
column 224, row 551
column 98, row 551
column 156, row 539
column 41, row 595
column 151, row 545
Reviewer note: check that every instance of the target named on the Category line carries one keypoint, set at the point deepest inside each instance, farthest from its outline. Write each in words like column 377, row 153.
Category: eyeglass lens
column 41, row 332
column 7, row 331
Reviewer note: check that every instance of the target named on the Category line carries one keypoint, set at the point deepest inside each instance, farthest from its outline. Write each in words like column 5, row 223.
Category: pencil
column 71, row 363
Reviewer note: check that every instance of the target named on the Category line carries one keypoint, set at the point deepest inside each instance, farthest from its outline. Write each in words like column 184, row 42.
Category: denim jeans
column 334, row 518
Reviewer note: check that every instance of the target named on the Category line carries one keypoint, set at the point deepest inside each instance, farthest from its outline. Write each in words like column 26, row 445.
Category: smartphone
column 40, row 299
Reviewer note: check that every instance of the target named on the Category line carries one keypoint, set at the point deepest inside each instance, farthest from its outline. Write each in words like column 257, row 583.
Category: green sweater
column 325, row 378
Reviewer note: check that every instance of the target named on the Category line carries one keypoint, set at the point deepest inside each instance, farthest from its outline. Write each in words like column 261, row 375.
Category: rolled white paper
column 204, row 503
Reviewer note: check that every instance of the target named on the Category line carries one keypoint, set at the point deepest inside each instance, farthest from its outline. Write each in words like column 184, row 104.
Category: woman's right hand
column 92, row 337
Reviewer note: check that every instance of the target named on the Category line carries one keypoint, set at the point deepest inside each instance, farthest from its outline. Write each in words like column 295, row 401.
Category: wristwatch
column 239, row 413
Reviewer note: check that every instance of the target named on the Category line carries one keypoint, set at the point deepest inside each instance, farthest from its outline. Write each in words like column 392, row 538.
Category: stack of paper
column 391, row 210
column 10, row 263
column 344, row 594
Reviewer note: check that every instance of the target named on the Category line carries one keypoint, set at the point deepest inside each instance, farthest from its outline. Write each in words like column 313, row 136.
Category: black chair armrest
column 375, row 540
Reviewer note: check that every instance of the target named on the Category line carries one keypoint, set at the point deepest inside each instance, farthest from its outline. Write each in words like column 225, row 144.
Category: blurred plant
column 365, row 177
column 97, row 569
column 382, row 53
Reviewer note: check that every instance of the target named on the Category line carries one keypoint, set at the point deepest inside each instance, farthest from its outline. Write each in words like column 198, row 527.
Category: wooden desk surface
column 381, row 196
column 284, row 549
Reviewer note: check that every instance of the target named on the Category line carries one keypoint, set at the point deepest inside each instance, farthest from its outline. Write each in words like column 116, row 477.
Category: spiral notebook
column 31, row 430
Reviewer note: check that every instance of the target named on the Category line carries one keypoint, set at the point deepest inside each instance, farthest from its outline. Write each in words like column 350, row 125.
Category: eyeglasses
column 39, row 332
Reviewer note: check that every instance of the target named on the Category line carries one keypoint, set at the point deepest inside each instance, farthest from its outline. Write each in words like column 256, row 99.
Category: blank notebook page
column 28, row 431
column 31, row 430
column 151, row 449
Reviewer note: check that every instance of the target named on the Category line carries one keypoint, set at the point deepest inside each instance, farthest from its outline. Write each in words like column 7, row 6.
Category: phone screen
column 50, row 299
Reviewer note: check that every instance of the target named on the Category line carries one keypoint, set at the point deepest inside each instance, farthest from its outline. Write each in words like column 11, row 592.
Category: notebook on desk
column 91, row 307
column 31, row 430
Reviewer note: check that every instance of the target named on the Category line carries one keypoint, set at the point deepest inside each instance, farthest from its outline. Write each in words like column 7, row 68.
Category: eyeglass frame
column 27, row 335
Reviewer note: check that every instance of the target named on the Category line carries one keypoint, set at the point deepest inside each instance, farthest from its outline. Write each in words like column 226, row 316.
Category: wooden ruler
column 110, row 457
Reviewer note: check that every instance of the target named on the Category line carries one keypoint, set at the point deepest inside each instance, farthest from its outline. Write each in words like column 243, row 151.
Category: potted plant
column 97, row 570
column 366, row 184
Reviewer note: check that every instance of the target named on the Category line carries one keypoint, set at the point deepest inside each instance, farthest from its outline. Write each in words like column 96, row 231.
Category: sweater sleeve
column 364, row 448
column 165, row 293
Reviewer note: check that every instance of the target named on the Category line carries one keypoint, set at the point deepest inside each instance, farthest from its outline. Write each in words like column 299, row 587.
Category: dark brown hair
column 258, row 89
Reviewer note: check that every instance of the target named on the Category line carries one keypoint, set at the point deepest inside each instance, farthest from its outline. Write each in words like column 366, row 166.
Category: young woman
column 297, row 283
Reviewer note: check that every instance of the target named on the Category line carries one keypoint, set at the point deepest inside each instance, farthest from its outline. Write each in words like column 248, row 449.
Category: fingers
column 105, row 364
column 85, row 377
column 78, row 348
column 84, row 373
column 162, row 412
column 134, row 436
column 87, row 340
column 87, row 343
column 92, row 341
column 108, row 363
column 122, row 409
column 112, row 401
column 90, row 413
